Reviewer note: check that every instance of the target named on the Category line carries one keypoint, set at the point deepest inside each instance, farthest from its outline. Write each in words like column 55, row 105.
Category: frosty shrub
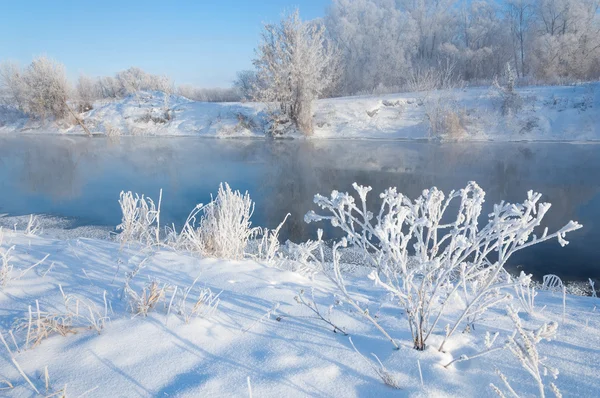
column 12, row 86
column 426, row 260
column 87, row 91
column 428, row 78
column 445, row 118
column 221, row 228
column 47, row 88
column 268, row 242
column 141, row 219
column 6, row 265
column 523, row 345
column 512, row 103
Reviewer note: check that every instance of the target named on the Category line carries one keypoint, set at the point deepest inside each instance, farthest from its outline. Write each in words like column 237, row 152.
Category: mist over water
column 81, row 178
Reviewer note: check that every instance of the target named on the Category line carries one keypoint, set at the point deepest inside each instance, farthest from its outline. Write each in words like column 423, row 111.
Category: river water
column 80, row 178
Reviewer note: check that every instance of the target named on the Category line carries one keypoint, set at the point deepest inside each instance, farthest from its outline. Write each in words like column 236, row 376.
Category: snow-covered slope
column 561, row 113
column 284, row 352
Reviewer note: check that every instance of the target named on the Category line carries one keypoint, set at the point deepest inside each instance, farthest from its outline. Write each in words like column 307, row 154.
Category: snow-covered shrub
column 525, row 292
column 268, row 243
column 511, row 101
column 444, row 117
column 12, row 86
column 109, row 87
column 523, row 345
column 88, row 91
column 221, row 228
column 40, row 90
column 209, row 94
column 425, row 260
column 33, row 226
column 427, row 78
column 6, row 265
column 140, row 220
column 47, row 88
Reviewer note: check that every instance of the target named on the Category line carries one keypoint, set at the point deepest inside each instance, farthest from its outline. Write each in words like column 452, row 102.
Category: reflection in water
column 81, row 178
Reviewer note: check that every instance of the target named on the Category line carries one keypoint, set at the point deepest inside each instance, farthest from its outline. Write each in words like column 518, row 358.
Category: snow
column 286, row 353
column 550, row 113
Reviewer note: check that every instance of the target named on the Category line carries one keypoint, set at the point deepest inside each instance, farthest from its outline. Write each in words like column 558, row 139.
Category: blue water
column 80, row 178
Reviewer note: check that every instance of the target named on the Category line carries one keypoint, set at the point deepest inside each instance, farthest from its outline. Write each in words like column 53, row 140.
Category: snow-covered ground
column 258, row 332
column 553, row 113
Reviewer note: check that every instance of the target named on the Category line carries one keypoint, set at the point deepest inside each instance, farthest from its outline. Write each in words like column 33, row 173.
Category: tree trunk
column 304, row 117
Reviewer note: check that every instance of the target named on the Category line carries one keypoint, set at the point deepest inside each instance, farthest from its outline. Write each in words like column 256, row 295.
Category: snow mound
column 259, row 332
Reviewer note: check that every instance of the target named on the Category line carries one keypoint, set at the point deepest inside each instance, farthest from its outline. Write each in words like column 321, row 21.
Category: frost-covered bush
column 6, row 265
column 209, row 94
column 87, row 91
column 523, row 345
column 140, row 220
column 40, row 90
column 12, row 87
column 511, row 102
column 221, row 228
column 440, row 77
column 47, row 88
column 267, row 241
column 425, row 258
column 444, row 117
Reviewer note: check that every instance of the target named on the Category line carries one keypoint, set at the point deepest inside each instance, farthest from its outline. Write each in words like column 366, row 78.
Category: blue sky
column 195, row 42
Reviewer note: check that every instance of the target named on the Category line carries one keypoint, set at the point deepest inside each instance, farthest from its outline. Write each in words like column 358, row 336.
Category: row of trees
column 42, row 89
column 362, row 46
column 370, row 46
column 392, row 43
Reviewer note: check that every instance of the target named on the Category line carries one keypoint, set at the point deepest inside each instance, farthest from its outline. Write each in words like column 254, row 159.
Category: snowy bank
column 259, row 331
column 551, row 113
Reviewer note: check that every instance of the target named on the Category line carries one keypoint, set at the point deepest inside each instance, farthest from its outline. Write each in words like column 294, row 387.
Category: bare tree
column 519, row 15
column 296, row 64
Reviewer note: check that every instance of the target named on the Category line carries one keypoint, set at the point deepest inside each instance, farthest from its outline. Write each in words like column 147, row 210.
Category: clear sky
column 198, row 42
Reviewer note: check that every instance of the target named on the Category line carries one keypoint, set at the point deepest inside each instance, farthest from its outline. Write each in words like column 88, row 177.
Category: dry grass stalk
column 142, row 304
column 386, row 377
column 204, row 306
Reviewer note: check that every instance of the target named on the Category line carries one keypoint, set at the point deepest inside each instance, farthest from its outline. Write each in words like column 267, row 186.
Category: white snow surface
column 286, row 354
column 549, row 113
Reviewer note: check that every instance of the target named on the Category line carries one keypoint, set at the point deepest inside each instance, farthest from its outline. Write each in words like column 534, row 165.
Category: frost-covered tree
column 377, row 41
column 245, row 83
column 568, row 42
column 519, row 17
column 87, row 91
column 295, row 63
column 12, row 86
column 47, row 88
